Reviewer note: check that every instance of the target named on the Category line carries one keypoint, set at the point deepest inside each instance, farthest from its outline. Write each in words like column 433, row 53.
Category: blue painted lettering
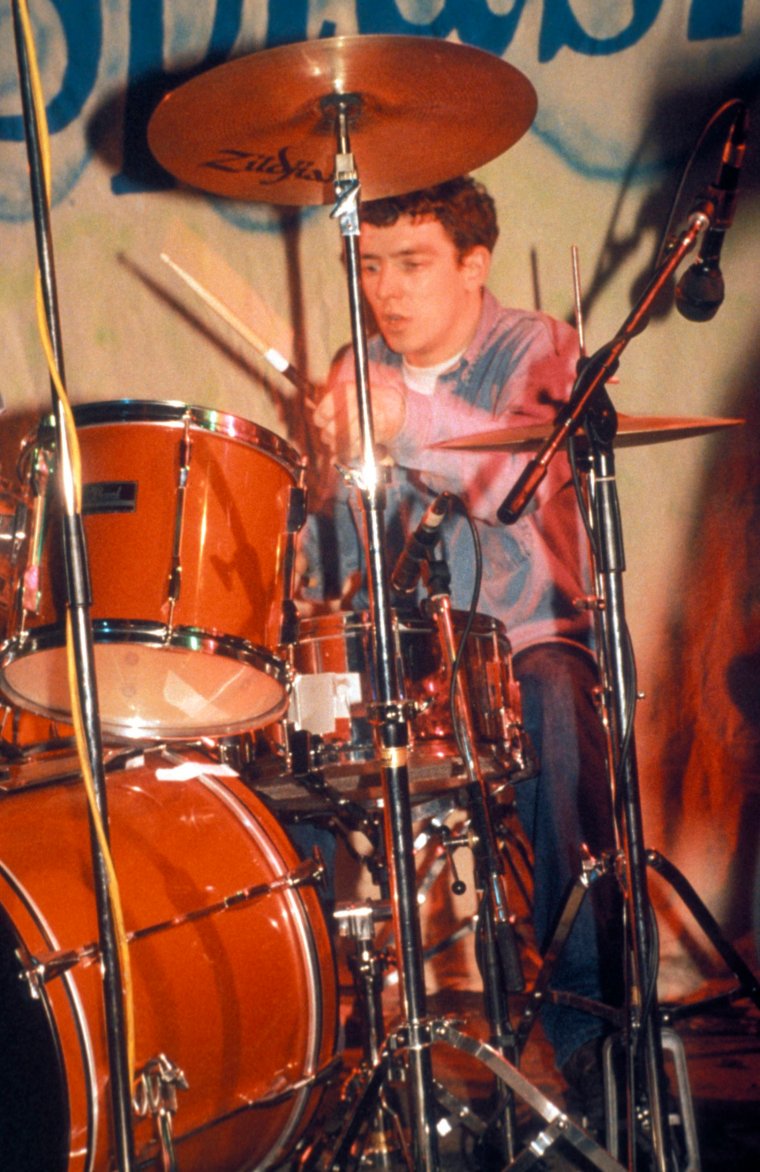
column 711, row 19
column 147, row 82
column 82, row 27
column 560, row 29
column 473, row 20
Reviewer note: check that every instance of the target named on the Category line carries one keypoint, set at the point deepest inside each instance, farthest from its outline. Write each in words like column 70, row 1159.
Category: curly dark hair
column 463, row 206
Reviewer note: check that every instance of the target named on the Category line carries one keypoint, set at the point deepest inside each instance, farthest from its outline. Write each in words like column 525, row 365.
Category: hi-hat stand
column 391, row 715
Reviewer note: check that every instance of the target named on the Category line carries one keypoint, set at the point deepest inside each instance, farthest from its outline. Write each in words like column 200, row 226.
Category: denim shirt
column 517, row 369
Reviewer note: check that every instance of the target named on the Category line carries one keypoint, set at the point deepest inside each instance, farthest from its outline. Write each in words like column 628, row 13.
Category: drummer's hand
column 337, row 418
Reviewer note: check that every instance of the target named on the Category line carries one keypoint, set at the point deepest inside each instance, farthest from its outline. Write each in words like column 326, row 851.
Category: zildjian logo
column 277, row 167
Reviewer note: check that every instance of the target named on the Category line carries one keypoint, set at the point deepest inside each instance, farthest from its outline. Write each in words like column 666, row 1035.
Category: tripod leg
column 709, row 925
column 590, row 873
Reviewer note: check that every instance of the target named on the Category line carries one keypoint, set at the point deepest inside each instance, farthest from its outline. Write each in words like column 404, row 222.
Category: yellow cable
column 113, row 885
column 72, row 502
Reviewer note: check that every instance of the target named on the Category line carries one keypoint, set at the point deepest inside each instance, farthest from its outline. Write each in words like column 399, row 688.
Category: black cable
column 665, row 239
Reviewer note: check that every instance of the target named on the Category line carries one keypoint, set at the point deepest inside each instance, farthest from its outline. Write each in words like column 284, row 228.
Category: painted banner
column 626, row 94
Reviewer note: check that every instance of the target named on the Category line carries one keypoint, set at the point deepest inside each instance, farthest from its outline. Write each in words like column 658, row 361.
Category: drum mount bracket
column 396, row 712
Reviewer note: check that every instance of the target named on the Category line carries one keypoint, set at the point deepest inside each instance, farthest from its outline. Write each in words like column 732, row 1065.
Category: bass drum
column 242, row 1001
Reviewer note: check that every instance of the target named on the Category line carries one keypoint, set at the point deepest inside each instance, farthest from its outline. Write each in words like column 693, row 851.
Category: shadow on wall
column 117, row 132
column 673, row 129
column 706, row 705
column 702, row 794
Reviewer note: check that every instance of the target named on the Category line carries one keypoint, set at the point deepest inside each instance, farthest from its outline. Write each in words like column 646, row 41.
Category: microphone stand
column 590, row 404
column 595, row 373
column 77, row 593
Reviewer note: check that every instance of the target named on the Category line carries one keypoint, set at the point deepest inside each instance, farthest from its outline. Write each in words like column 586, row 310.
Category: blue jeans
column 567, row 804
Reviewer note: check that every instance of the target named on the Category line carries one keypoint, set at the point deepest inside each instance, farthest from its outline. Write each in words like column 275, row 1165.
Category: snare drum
column 190, row 518
column 333, row 687
column 241, row 1000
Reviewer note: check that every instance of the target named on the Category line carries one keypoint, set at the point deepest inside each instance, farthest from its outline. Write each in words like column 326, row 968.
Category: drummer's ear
column 476, row 265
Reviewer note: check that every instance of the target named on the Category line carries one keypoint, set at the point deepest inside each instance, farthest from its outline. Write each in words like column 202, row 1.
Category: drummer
column 449, row 359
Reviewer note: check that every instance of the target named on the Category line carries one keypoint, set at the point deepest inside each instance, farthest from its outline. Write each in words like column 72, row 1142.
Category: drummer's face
column 425, row 298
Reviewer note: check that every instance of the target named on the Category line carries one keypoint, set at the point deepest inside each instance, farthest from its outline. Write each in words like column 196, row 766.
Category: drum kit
column 191, row 518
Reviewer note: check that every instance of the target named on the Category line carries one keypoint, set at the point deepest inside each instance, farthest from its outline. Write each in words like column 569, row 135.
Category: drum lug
column 156, row 1095
column 175, row 572
column 37, row 973
column 296, row 509
column 30, row 581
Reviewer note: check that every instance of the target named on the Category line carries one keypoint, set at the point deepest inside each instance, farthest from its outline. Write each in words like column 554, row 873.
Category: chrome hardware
column 175, row 573
column 156, row 1095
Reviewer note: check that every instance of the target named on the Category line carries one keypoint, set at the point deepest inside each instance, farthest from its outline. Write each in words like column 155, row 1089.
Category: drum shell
column 229, row 578
column 242, row 1001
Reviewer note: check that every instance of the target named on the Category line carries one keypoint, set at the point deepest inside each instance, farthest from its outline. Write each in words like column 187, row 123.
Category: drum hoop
column 335, row 623
column 156, row 635
column 176, row 413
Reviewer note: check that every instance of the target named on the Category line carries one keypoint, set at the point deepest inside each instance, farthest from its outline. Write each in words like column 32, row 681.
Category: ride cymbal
column 632, row 430
column 263, row 127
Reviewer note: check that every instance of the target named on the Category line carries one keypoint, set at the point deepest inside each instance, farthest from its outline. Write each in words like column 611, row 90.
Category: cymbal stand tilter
column 589, row 404
column 78, row 603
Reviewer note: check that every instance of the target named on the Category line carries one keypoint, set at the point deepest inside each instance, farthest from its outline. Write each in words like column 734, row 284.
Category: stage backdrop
column 624, row 92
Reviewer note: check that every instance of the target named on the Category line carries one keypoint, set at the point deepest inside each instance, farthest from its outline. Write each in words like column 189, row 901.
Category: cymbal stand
column 78, row 601
column 390, row 714
column 590, row 404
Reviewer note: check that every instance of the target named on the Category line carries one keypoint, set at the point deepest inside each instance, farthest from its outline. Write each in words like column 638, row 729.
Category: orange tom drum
column 241, row 1000
column 190, row 518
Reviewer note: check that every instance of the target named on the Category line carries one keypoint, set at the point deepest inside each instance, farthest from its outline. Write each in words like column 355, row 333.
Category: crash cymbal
column 632, row 430
column 262, row 127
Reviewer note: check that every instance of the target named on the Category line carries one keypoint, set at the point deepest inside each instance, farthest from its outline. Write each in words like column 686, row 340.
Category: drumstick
column 272, row 356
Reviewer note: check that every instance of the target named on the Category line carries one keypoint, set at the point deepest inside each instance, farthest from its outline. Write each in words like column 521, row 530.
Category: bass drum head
column 33, row 1102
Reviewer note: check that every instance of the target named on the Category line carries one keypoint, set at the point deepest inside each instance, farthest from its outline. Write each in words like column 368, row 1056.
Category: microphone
column 406, row 573
column 700, row 292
